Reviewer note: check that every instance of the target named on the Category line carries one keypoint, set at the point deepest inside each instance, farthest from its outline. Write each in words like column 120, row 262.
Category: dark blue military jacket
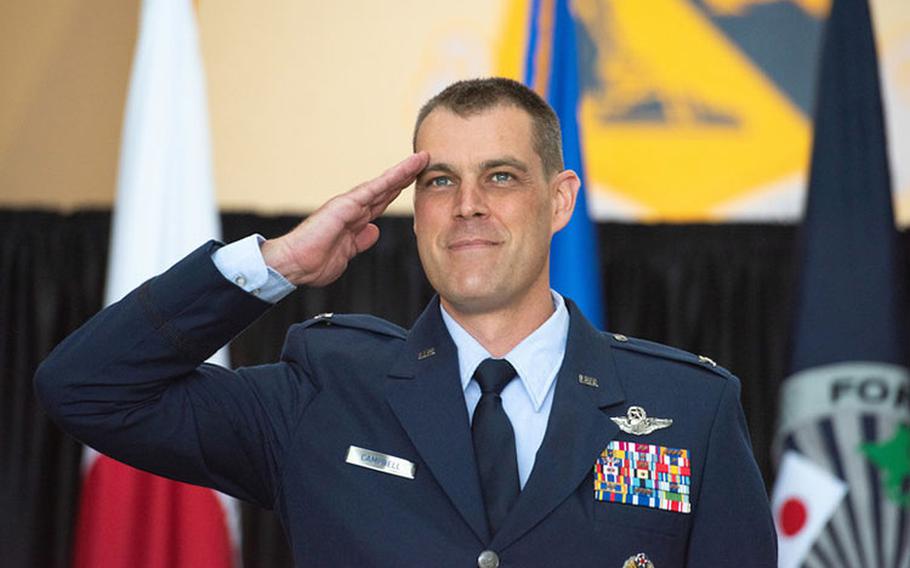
column 129, row 383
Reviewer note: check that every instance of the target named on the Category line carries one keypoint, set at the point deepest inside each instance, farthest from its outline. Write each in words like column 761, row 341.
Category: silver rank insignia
column 638, row 423
column 640, row 560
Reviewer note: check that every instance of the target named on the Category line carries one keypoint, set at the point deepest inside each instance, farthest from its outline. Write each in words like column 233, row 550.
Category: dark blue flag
column 845, row 410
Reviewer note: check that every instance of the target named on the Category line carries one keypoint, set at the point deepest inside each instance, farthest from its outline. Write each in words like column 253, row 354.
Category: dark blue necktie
column 494, row 442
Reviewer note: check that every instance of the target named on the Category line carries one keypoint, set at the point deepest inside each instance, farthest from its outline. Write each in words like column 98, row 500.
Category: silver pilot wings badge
column 638, row 423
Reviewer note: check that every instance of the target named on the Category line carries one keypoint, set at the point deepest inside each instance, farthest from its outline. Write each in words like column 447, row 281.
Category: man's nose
column 470, row 201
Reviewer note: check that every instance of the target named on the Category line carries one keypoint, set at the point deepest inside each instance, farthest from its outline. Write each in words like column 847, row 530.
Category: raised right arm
column 132, row 384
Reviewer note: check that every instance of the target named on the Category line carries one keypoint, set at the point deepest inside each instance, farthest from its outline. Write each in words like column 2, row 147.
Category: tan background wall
column 306, row 98
column 63, row 77
column 309, row 97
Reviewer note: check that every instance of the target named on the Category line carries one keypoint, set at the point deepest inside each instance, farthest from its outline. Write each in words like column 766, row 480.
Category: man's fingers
column 356, row 208
column 377, row 207
column 404, row 172
column 343, row 223
column 366, row 238
column 393, row 179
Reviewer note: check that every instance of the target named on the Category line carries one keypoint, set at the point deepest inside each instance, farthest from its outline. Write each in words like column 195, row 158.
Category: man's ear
column 565, row 190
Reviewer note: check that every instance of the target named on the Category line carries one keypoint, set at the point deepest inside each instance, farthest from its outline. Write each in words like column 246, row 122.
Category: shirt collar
column 536, row 358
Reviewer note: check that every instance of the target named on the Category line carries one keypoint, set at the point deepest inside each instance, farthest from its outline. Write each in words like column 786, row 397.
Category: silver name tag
column 380, row 462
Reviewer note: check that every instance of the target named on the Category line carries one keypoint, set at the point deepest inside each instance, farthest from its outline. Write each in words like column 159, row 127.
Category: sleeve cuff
column 241, row 262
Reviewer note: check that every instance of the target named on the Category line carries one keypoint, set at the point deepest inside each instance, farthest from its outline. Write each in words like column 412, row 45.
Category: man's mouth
column 472, row 244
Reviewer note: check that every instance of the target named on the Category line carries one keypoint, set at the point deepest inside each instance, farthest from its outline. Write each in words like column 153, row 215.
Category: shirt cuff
column 241, row 262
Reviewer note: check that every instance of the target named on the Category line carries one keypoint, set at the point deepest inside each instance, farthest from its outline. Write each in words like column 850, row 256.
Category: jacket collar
column 424, row 392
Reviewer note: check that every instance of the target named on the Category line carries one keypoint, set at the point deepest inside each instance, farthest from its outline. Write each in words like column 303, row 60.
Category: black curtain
column 717, row 290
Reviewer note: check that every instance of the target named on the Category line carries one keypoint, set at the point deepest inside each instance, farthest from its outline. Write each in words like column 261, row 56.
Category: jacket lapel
column 424, row 391
column 577, row 431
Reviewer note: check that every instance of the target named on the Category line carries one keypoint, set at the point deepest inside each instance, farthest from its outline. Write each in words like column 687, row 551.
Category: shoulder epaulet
column 357, row 321
column 666, row 352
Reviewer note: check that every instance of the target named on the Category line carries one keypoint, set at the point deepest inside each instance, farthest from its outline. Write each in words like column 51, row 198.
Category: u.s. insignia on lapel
column 638, row 423
column 645, row 475
column 640, row 560
column 426, row 353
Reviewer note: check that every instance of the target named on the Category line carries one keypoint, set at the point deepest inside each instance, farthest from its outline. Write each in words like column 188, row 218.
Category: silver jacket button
column 488, row 559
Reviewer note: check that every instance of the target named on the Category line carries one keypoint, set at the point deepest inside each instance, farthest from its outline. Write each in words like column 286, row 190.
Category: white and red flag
column 802, row 503
column 165, row 208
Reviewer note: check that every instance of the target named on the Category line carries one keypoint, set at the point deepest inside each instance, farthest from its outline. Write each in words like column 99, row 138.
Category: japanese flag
column 804, row 498
column 165, row 208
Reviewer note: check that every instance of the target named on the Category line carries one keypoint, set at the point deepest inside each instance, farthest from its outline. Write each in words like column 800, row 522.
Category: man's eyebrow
column 438, row 167
column 506, row 161
column 443, row 167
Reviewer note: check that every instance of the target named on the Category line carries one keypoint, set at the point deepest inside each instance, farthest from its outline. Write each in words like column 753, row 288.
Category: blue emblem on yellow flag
column 689, row 110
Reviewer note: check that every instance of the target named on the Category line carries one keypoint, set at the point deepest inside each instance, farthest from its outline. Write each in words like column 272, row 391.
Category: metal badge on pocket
column 639, row 560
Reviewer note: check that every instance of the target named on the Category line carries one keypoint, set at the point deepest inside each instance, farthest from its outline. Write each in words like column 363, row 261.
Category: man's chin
column 474, row 301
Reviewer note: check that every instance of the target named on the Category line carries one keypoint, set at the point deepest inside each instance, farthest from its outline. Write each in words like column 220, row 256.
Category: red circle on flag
column 792, row 516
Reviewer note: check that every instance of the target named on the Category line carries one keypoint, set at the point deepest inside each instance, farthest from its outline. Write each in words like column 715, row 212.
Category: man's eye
column 441, row 181
column 502, row 177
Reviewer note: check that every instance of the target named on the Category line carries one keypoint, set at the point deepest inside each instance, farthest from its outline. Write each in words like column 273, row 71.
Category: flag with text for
column 845, row 406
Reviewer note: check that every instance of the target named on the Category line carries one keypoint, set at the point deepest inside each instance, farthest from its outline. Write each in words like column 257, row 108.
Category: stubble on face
column 483, row 211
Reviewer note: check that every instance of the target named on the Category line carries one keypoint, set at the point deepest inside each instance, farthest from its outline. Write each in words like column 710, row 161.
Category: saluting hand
column 317, row 251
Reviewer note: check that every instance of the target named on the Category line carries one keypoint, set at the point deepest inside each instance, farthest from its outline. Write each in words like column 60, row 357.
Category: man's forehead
column 503, row 112
column 503, row 132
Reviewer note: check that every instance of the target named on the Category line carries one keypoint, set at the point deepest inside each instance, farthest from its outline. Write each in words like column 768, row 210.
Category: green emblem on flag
column 893, row 458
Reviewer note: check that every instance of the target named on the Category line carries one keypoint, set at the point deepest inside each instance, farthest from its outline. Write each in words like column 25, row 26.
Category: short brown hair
column 473, row 96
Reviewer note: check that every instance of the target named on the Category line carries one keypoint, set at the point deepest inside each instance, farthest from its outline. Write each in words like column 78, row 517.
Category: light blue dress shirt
column 527, row 401
column 241, row 262
column 536, row 359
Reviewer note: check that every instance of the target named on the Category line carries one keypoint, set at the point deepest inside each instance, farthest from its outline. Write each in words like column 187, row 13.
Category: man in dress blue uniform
column 501, row 430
